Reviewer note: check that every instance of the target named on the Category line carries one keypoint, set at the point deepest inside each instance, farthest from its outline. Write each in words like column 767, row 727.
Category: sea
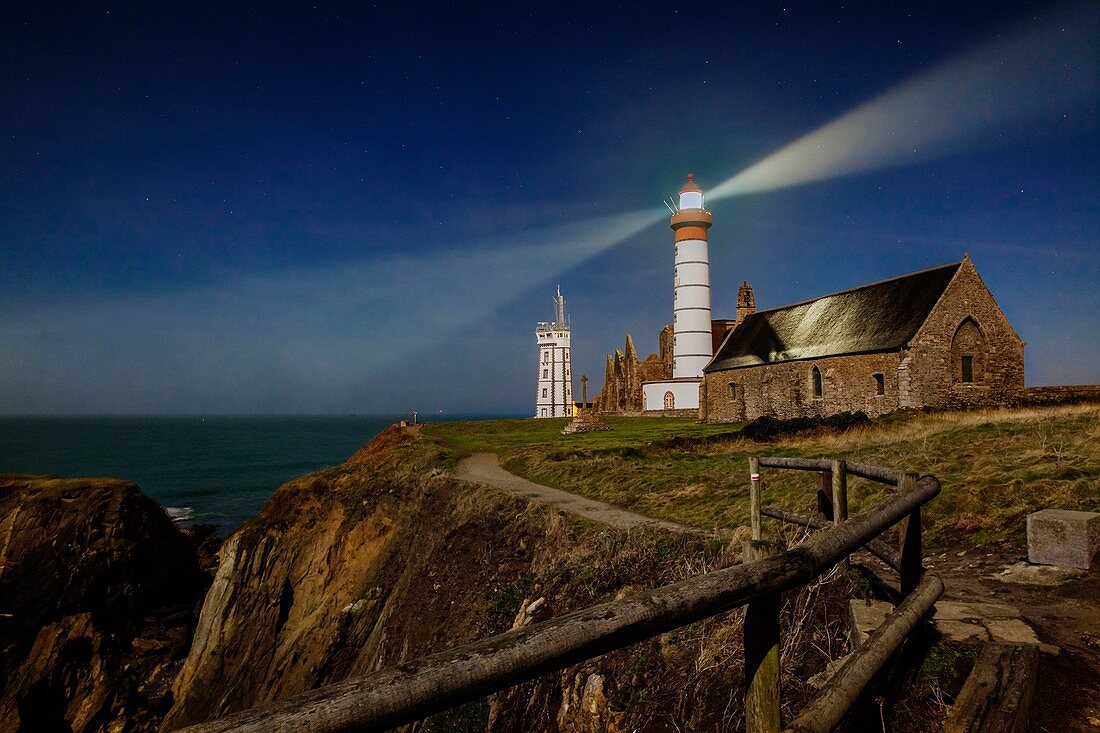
column 203, row 470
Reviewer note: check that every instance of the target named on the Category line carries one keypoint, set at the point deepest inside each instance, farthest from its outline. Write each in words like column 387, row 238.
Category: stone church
column 934, row 338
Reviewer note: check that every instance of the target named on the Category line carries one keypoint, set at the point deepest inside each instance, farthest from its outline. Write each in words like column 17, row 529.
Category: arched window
column 670, row 401
column 733, row 390
column 815, row 377
column 968, row 353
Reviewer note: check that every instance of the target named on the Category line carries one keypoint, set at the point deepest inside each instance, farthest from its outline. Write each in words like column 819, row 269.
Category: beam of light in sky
column 297, row 340
column 1049, row 68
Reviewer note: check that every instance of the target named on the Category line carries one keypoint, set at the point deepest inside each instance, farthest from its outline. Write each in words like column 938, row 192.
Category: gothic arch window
column 670, row 401
column 815, row 382
column 968, row 353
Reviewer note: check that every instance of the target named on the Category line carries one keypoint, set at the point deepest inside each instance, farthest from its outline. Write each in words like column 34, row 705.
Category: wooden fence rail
column 413, row 690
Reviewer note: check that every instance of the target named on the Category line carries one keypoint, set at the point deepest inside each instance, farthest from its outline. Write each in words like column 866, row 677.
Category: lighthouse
column 692, row 341
column 554, row 393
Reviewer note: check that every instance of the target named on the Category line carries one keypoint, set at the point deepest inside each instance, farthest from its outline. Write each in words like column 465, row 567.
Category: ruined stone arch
column 969, row 353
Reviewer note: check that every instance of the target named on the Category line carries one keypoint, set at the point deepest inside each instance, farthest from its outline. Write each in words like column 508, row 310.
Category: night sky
column 206, row 208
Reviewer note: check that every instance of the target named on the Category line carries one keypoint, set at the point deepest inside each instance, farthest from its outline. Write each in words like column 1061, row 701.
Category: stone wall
column 1061, row 395
column 966, row 322
column 786, row 390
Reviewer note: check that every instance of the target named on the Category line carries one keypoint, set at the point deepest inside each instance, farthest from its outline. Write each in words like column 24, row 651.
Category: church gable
column 966, row 297
column 967, row 352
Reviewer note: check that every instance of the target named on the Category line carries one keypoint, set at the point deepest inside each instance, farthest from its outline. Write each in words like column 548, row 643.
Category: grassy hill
column 996, row 466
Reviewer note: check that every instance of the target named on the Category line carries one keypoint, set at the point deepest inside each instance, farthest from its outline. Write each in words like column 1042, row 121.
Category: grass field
column 995, row 466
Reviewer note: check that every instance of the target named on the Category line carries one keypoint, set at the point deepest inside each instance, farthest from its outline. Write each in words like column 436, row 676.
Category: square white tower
column 554, row 394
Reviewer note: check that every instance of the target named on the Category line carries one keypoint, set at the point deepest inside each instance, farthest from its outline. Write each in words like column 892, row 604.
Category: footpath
column 484, row 468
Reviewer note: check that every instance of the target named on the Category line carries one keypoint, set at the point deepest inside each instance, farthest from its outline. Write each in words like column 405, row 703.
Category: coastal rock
column 386, row 558
column 98, row 589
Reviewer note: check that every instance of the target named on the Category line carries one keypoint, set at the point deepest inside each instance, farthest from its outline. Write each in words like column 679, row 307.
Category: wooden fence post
column 761, row 652
column 840, row 491
column 825, row 495
column 754, row 497
column 910, row 549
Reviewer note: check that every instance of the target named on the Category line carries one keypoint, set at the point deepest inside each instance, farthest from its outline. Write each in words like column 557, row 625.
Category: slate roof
column 882, row 316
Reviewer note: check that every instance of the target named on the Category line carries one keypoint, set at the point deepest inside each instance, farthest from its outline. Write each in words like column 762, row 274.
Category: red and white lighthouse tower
column 692, row 345
column 691, row 294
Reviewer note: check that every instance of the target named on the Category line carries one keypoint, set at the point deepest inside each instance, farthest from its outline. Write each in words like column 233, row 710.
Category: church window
column 880, row 384
column 543, row 391
column 815, row 376
column 670, row 401
column 545, row 357
column 968, row 354
column 733, row 390
column 545, row 373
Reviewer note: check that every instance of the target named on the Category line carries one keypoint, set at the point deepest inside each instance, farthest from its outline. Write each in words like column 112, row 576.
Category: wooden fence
column 416, row 689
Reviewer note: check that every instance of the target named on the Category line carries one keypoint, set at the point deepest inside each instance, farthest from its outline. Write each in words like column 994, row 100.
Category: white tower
column 554, row 395
column 692, row 347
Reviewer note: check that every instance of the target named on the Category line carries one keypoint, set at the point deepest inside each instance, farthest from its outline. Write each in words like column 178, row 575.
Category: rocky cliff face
column 386, row 558
column 98, row 590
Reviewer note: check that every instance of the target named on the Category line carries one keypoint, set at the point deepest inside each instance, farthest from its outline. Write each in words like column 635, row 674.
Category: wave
column 180, row 513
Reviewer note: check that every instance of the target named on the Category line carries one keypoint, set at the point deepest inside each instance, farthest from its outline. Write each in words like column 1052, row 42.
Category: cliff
column 387, row 557
column 382, row 559
column 98, row 590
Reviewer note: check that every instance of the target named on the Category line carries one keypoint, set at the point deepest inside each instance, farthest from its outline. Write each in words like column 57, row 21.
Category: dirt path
column 484, row 468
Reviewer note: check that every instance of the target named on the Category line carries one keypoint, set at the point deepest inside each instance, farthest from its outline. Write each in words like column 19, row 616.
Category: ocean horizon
column 203, row 469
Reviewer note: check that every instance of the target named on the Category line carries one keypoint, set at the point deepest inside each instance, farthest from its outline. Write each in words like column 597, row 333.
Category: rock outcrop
column 98, row 591
column 388, row 557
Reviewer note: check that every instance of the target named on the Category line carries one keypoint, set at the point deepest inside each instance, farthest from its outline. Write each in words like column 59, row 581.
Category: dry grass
column 995, row 465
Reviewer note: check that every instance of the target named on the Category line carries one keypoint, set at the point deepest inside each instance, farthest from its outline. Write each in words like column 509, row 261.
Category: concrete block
column 865, row 617
column 1011, row 631
column 1062, row 537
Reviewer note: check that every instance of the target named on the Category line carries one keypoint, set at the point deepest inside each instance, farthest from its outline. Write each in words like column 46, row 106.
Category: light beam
column 957, row 105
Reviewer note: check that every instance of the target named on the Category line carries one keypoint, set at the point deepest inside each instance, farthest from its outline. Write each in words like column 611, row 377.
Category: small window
column 967, row 368
column 546, row 357
column 544, row 410
column 545, row 373
column 544, row 392
column 815, row 376
column 733, row 390
column 880, row 384
column 670, row 401
column 566, row 353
